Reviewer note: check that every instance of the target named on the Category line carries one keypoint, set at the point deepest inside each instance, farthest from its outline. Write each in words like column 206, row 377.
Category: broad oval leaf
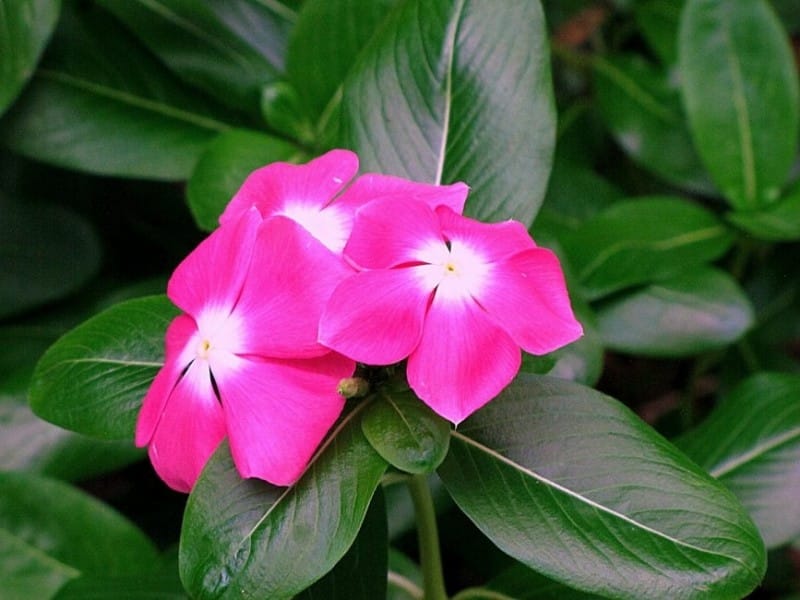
column 751, row 443
column 26, row 27
column 778, row 222
column 458, row 90
column 643, row 240
column 150, row 586
column 229, row 48
column 247, row 538
column 361, row 572
column 38, row 267
column 51, row 532
column 571, row 483
column 688, row 314
column 405, row 432
column 324, row 44
column 101, row 103
column 225, row 164
column 644, row 113
column 522, row 583
column 740, row 88
column 94, row 378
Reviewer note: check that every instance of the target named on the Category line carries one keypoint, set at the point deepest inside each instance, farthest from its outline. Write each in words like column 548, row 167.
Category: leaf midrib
column 599, row 507
column 763, row 447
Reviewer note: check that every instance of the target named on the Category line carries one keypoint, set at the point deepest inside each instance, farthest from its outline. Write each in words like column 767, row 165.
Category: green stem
column 428, row 535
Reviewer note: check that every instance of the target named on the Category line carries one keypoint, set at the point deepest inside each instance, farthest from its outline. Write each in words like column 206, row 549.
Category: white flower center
column 456, row 272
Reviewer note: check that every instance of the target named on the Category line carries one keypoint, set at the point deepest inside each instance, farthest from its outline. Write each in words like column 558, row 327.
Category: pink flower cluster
column 307, row 275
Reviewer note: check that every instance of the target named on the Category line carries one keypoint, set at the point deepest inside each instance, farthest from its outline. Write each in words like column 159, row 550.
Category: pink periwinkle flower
column 243, row 360
column 316, row 195
column 458, row 297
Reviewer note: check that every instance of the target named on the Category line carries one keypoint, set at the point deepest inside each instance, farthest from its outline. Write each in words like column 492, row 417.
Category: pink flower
column 457, row 297
column 243, row 360
column 314, row 195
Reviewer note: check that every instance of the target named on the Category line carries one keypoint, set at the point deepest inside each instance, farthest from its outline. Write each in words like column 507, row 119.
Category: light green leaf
column 643, row 240
column 643, row 111
column 51, row 532
column 229, row 48
column 224, row 166
column 695, row 312
column 740, row 88
column 40, row 268
column 751, row 443
column 274, row 542
column 94, row 378
column 101, row 103
column 26, row 27
column 572, row 484
column 458, row 90
column 405, row 432
column 777, row 222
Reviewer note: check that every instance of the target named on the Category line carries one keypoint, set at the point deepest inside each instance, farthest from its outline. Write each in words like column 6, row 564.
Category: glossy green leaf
column 458, row 90
column 94, row 378
column 688, row 314
column 751, row 443
column 26, row 27
column 101, row 103
column 404, row 577
column 740, row 88
column 658, row 21
column 642, row 109
column 521, row 583
column 405, row 432
column 777, row 222
column 571, row 483
column 132, row 587
column 229, row 48
column 51, row 532
column 324, row 44
column 47, row 252
column 361, row 573
column 225, row 164
column 248, row 535
column 643, row 240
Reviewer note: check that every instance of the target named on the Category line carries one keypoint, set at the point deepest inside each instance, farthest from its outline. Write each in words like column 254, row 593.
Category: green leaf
column 224, row 166
column 26, row 27
column 751, row 443
column 740, row 89
column 571, row 483
column 777, row 222
column 643, row 240
column 101, row 103
column 458, row 90
column 643, row 112
column 94, row 378
column 658, row 21
column 274, row 542
column 229, row 48
column 361, row 573
column 521, row 583
column 405, row 432
column 324, row 44
column 40, row 268
column 145, row 586
column 405, row 577
column 691, row 313
column 51, row 532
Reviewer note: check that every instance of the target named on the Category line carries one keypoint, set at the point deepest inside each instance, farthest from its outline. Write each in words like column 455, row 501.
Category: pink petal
column 278, row 411
column 527, row 296
column 375, row 317
column 494, row 241
column 315, row 184
column 179, row 332
column 291, row 278
column 463, row 360
column 373, row 186
column 191, row 427
column 213, row 274
column 395, row 231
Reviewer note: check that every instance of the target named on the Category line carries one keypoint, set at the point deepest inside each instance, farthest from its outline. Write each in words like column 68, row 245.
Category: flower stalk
column 428, row 538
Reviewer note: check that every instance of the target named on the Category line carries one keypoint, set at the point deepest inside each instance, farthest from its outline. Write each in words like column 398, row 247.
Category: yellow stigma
column 450, row 267
column 203, row 348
